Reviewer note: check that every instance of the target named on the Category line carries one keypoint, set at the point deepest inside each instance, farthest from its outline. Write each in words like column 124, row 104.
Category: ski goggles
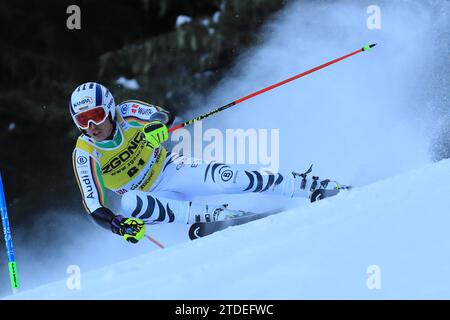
column 95, row 115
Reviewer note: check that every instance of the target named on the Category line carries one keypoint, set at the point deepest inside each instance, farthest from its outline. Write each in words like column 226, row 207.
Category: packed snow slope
column 398, row 227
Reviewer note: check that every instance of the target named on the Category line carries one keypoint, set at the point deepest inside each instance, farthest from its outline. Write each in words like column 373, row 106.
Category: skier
column 120, row 149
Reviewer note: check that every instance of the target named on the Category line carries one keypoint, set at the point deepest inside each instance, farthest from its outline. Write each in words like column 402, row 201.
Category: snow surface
column 182, row 19
column 216, row 17
column 322, row 250
column 130, row 84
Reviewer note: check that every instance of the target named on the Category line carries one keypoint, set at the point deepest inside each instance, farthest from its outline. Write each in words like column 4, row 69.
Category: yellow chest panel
column 120, row 165
column 127, row 162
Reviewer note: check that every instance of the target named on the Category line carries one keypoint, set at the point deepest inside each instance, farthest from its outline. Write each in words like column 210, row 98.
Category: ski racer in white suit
column 120, row 149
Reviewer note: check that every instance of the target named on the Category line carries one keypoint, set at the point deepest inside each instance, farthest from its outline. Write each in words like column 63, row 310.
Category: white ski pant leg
column 151, row 209
column 189, row 177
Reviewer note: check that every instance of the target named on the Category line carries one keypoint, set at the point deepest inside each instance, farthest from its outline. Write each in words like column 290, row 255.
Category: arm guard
column 102, row 217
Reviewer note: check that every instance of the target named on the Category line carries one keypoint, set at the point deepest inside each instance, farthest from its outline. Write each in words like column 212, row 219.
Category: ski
column 202, row 229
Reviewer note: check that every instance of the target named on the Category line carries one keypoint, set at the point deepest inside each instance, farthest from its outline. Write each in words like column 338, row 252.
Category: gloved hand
column 156, row 133
column 132, row 229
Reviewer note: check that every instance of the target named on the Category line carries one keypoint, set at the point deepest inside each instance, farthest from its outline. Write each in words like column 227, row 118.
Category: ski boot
column 322, row 193
column 220, row 213
column 319, row 189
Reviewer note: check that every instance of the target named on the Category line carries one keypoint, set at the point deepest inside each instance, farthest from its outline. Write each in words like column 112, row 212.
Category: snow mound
column 387, row 240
